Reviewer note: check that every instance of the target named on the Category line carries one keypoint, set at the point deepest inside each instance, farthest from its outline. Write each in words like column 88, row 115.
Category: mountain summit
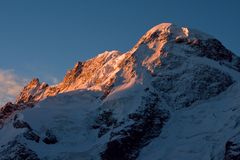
column 158, row 44
column 174, row 95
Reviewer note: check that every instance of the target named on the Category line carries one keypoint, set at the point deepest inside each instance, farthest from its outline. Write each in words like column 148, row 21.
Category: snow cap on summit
column 176, row 30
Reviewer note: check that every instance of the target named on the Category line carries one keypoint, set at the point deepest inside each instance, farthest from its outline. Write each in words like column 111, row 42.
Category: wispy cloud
column 10, row 85
column 51, row 79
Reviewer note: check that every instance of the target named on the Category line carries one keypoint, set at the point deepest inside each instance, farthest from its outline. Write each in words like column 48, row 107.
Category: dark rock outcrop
column 147, row 124
column 29, row 134
column 21, row 124
column 32, row 136
column 232, row 148
column 8, row 109
column 213, row 49
column 50, row 138
column 198, row 83
column 104, row 122
column 17, row 151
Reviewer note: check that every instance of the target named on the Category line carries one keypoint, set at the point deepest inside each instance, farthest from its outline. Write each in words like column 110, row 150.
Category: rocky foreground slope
column 174, row 95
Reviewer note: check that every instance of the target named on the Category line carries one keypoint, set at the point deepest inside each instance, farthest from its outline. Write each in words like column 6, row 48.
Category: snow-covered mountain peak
column 168, row 39
column 169, row 31
column 175, row 95
column 176, row 30
column 164, row 45
column 167, row 28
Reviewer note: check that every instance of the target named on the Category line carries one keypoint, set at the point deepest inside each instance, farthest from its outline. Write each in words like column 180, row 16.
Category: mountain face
column 174, row 95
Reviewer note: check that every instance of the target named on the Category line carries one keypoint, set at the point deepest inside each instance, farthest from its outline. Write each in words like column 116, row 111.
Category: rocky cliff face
column 31, row 91
column 160, row 100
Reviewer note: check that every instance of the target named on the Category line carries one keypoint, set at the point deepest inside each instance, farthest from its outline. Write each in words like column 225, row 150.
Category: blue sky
column 44, row 38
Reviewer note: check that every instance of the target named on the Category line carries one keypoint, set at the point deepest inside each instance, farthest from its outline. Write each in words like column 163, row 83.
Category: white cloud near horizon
column 51, row 80
column 10, row 86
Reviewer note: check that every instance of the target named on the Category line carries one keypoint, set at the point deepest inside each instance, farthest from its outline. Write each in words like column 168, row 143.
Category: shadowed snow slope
column 174, row 95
